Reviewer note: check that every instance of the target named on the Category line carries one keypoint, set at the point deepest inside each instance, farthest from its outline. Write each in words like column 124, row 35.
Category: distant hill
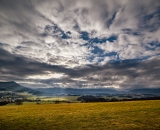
column 146, row 91
column 15, row 87
column 80, row 91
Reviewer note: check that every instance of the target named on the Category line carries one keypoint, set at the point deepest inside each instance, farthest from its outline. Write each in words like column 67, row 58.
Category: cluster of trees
column 3, row 103
column 91, row 99
column 100, row 99
column 61, row 101
column 18, row 102
column 95, row 99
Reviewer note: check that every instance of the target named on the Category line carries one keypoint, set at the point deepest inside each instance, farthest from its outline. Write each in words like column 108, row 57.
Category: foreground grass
column 87, row 116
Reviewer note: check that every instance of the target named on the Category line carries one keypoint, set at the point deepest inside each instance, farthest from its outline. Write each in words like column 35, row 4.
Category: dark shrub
column 3, row 103
column 19, row 102
column 114, row 99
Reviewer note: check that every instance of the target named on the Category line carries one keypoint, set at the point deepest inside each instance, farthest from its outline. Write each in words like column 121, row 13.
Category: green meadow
column 133, row 115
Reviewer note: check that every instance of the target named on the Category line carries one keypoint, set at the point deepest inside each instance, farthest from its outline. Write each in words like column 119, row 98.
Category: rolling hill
column 15, row 87
column 80, row 91
column 146, row 91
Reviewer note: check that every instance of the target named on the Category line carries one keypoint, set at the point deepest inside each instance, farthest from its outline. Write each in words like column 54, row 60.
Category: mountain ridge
column 146, row 90
column 78, row 91
column 15, row 87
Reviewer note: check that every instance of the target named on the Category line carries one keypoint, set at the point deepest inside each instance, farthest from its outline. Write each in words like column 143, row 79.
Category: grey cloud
column 34, row 41
column 18, row 14
column 12, row 64
column 127, row 71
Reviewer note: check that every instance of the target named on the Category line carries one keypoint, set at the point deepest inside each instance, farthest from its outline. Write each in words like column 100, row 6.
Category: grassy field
column 134, row 115
column 60, row 98
column 54, row 98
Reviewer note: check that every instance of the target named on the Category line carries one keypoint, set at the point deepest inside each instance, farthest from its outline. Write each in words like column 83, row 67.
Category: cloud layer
column 67, row 43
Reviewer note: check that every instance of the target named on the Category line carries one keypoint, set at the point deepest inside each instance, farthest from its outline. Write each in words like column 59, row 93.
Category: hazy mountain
column 74, row 91
column 146, row 91
column 15, row 87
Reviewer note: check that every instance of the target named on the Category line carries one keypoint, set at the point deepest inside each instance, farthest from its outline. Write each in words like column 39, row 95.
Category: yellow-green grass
column 133, row 115
column 60, row 98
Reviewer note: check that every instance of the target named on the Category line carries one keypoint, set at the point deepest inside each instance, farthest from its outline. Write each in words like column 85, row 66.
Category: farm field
column 60, row 98
column 131, row 115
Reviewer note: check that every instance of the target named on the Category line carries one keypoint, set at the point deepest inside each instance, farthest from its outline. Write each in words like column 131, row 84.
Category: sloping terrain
column 146, row 91
column 15, row 87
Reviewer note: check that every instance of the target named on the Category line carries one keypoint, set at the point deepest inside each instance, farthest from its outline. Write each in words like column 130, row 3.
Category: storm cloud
column 68, row 43
column 127, row 73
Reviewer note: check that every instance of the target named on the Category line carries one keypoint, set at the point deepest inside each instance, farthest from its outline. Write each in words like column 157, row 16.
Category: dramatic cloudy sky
column 80, row 43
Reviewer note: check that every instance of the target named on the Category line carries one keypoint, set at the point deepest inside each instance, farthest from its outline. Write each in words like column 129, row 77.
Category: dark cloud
column 96, row 44
column 16, row 65
column 127, row 72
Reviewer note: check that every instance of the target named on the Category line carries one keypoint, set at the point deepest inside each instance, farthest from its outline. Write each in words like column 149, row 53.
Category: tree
column 19, row 102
